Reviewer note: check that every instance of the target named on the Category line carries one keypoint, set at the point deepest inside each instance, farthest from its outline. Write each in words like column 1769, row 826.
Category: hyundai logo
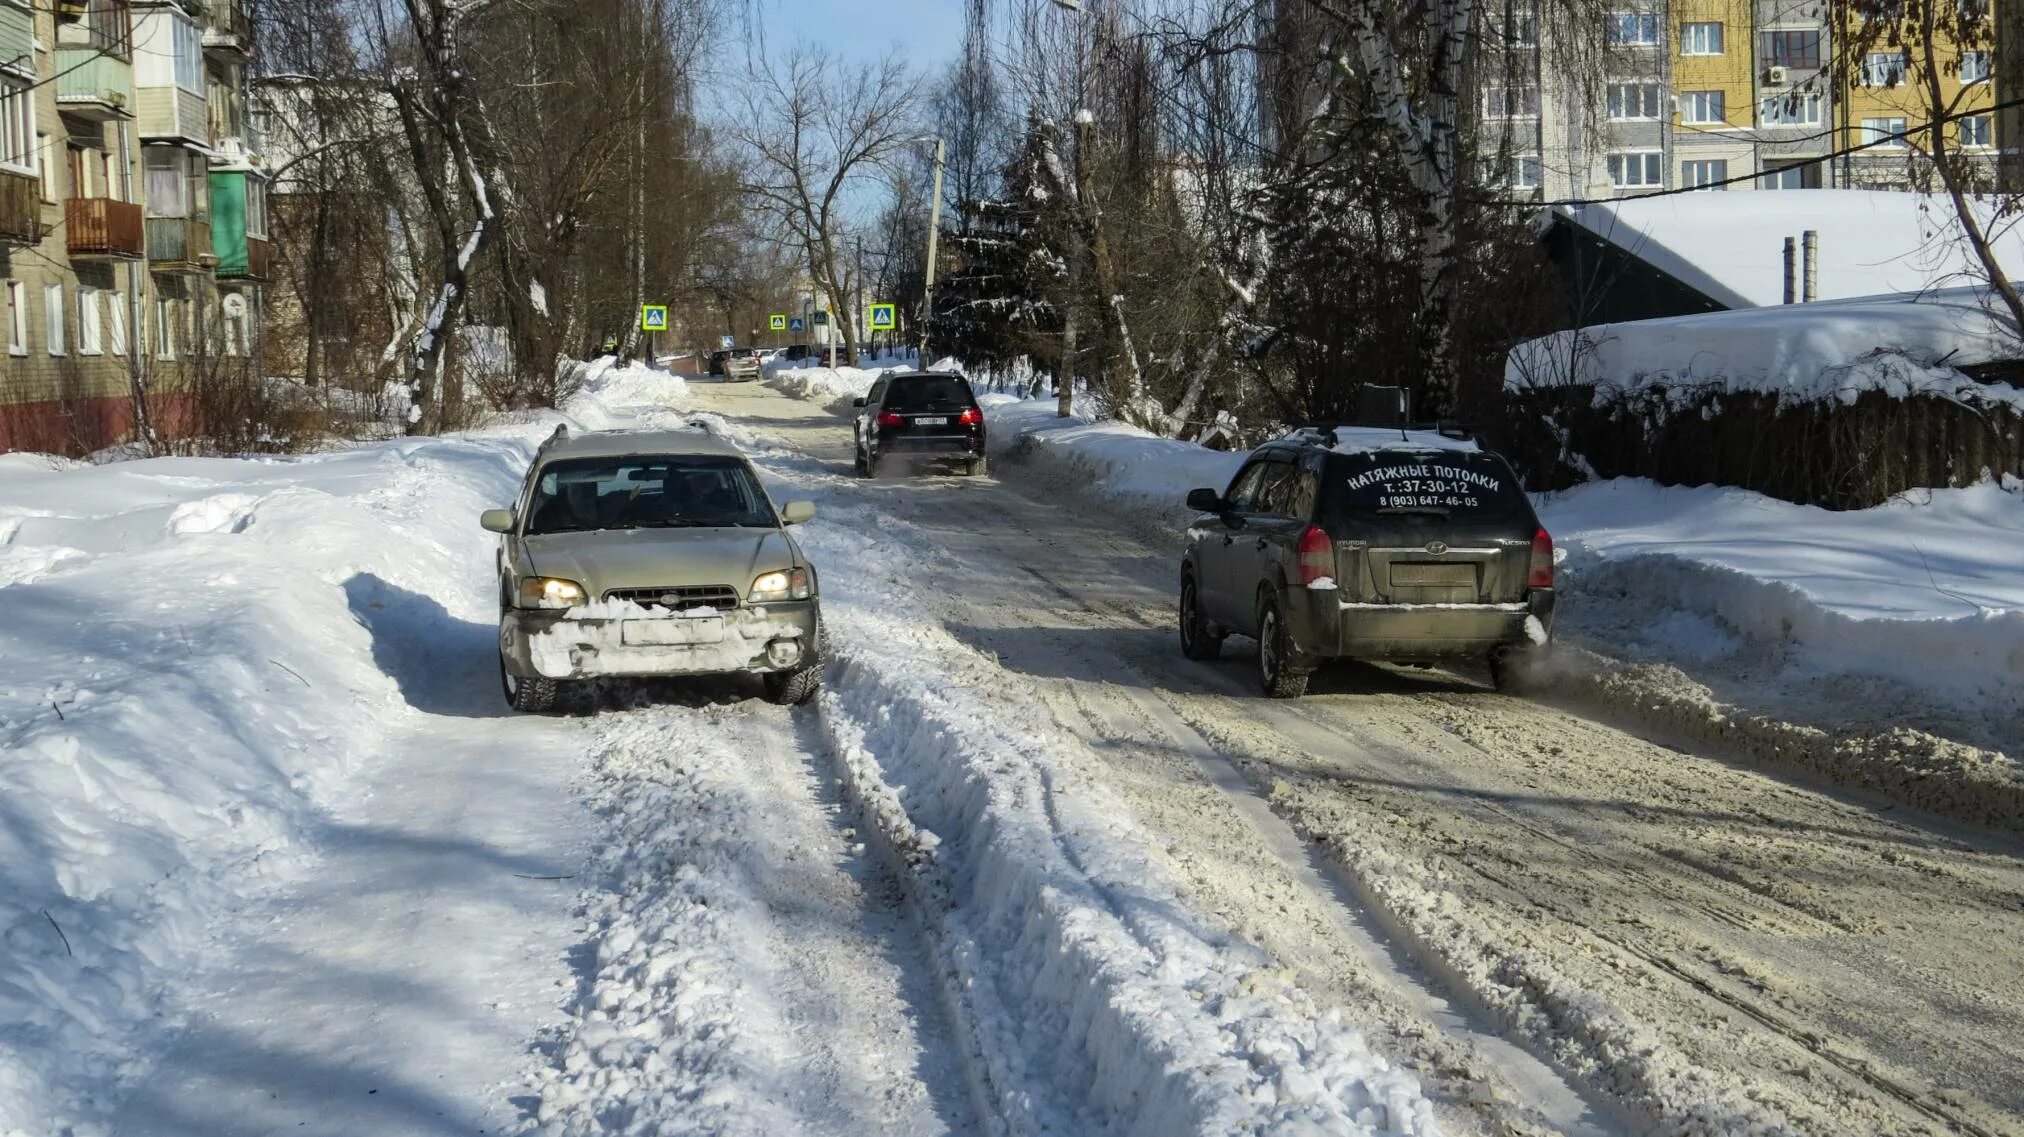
column 1437, row 547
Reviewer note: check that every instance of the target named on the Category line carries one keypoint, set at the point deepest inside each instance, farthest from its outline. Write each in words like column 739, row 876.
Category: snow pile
column 1899, row 345
column 672, row 1034
column 604, row 384
column 201, row 651
column 1097, row 1001
column 1112, row 460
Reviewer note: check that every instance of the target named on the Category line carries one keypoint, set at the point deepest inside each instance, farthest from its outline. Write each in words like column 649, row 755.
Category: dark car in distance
column 918, row 416
column 1380, row 544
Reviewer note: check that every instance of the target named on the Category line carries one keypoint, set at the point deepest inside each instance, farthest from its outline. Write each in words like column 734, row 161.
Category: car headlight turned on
column 789, row 585
column 550, row 592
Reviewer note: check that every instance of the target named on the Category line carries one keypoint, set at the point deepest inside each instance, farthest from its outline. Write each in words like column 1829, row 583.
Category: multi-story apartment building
column 109, row 252
column 1729, row 94
column 1888, row 106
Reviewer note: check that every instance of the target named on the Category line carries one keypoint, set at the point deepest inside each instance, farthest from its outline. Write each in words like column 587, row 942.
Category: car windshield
column 1416, row 490
column 647, row 492
column 928, row 393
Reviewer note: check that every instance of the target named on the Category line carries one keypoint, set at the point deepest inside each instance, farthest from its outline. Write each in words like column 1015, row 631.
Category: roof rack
column 1324, row 433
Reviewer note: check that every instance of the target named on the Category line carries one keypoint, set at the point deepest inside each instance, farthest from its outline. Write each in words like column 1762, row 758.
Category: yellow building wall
column 1729, row 72
column 1910, row 101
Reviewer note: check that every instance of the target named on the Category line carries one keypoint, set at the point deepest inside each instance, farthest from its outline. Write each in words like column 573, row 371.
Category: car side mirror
column 857, row 402
column 1206, row 501
column 797, row 512
column 496, row 520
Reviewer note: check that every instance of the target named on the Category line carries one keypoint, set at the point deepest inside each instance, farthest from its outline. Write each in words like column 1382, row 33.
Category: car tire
column 1199, row 639
column 1279, row 667
column 977, row 467
column 871, row 464
column 799, row 686
column 858, row 465
column 529, row 696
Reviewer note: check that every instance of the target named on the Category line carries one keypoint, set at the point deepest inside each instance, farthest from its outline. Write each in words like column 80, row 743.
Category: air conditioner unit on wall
column 1777, row 76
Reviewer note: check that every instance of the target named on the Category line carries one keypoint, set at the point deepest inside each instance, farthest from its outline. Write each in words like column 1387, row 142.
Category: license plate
column 942, row 421
column 680, row 632
column 1453, row 576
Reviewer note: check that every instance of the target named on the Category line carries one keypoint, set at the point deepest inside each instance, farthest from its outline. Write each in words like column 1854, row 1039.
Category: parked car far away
column 651, row 553
column 910, row 416
column 717, row 359
column 741, row 363
column 1369, row 543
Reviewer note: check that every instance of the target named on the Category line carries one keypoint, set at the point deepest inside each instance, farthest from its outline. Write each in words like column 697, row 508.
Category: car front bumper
column 570, row 645
column 1324, row 626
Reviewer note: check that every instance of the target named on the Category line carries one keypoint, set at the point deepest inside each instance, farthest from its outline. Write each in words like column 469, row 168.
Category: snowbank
column 199, row 652
column 1111, row 460
column 604, row 384
column 1899, row 345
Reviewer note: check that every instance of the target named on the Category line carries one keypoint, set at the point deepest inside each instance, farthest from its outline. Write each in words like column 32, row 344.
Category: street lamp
column 934, row 234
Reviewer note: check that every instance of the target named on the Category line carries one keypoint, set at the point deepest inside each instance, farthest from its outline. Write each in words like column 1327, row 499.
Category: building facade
column 117, row 282
column 1721, row 94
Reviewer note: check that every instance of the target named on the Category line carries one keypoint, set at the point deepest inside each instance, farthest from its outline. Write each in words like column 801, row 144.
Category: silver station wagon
column 651, row 553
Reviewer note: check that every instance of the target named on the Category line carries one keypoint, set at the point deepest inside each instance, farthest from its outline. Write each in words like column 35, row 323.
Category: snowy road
column 1697, row 943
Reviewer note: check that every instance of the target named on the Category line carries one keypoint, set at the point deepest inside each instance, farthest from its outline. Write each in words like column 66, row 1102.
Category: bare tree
column 814, row 129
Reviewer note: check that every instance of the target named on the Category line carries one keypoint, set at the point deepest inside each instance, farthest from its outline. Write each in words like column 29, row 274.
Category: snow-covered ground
column 1906, row 615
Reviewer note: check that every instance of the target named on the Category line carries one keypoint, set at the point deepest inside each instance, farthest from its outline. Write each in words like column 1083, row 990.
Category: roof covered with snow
column 1801, row 352
column 1731, row 246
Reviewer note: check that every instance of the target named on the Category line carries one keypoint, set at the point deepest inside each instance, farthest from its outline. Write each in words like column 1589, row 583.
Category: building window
column 1796, row 109
column 42, row 168
column 1633, row 29
column 168, row 183
column 17, row 318
column 1634, row 100
column 1792, row 175
column 1883, row 68
column 1974, row 66
column 17, row 125
column 1518, row 171
column 256, row 197
column 90, row 329
column 1701, row 39
column 1885, row 133
column 1703, row 108
column 1521, row 31
column 1710, row 173
column 1498, row 102
column 52, row 313
column 189, row 49
column 1973, row 11
column 116, row 321
column 1974, row 130
column 165, row 325
column 1637, row 169
column 1792, row 49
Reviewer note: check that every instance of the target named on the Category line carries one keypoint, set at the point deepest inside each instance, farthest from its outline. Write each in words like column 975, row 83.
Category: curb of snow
column 1095, row 999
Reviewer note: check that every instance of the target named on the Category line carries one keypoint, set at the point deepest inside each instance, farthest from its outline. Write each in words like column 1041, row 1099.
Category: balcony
column 20, row 208
column 178, row 244
column 92, row 84
column 99, row 228
column 229, row 30
column 257, row 265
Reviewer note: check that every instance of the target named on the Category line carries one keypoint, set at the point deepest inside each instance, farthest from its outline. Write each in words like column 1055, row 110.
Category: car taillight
column 970, row 417
column 889, row 418
column 1317, row 556
column 1541, row 575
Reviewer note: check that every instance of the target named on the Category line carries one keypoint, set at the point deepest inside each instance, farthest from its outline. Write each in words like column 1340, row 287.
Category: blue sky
column 929, row 31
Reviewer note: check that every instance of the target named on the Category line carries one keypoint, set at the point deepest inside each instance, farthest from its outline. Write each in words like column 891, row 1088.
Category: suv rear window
column 928, row 393
column 1414, row 489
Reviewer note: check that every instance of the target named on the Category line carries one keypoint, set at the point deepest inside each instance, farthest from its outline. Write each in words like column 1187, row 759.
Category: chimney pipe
column 1791, row 269
column 1810, row 248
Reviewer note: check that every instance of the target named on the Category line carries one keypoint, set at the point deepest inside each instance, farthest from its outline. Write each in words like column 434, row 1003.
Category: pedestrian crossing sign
column 653, row 317
column 883, row 317
column 796, row 325
column 777, row 323
column 821, row 318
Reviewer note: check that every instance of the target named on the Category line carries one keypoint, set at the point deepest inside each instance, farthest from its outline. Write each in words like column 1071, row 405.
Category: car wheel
column 796, row 687
column 871, row 464
column 530, row 696
column 1279, row 670
column 977, row 467
column 1198, row 639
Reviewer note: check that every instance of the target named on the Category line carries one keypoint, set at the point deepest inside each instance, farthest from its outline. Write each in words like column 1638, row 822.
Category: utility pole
column 934, row 236
column 1065, row 387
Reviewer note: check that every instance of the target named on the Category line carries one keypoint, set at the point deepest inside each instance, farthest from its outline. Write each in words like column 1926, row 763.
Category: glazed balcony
column 179, row 244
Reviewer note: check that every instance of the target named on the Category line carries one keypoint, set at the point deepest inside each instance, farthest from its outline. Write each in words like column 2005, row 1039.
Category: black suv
column 912, row 414
column 1403, row 545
